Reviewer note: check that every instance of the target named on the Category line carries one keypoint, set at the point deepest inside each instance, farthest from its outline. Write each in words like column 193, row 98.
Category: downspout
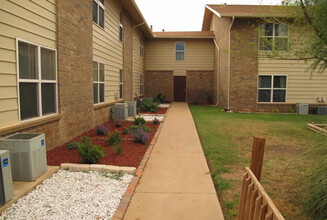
column 229, row 48
column 133, row 28
column 218, row 70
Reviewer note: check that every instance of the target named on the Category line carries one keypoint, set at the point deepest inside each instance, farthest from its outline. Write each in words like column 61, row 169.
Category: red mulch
column 159, row 111
column 131, row 154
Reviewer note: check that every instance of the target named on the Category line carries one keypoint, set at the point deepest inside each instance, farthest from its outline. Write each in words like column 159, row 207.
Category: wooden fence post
column 257, row 156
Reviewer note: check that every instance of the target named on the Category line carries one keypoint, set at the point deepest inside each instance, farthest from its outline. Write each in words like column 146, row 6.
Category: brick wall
column 159, row 81
column 244, row 64
column 200, row 86
column 127, row 66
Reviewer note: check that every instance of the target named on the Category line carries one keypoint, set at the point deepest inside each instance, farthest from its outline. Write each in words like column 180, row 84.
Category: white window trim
column 121, row 83
column 273, row 37
column 98, row 2
column 141, row 47
column 272, row 88
column 121, row 25
column 184, row 51
column 39, row 81
column 142, row 84
column 100, row 82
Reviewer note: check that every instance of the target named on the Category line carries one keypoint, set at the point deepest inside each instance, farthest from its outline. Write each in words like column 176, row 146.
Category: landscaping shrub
column 89, row 153
column 102, row 130
column 114, row 138
column 117, row 123
column 72, row 145
column 160, row 98
column 156, row 121
column 275, row 110
column 148, row 106
column 139, row 121
column 140, row 136
column 133, row 128
column 117, row 149
column 290, row 110
column 125, row 131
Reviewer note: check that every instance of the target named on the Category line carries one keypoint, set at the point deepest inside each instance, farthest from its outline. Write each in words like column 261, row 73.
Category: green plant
column 114, row 138
column 72, row 145
column 275, row 110
column 290, row 110
column 148, row 106
column 140, row 136
column 196, row 102
column 156, row 121
column 133, row 128
column 89, row 153
column 102, row 130
column 125, row 131
column 160, row 98
column 117, row 149
column 117, row 123
column 139, row 120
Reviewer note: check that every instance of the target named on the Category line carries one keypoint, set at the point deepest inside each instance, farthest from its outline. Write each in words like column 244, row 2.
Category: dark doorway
column 179, row 88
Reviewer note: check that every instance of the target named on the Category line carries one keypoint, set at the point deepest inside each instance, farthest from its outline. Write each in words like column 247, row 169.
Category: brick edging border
column 124, row 203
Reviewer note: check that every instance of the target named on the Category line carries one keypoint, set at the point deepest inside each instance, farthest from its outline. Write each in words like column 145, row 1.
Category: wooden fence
column 320, row 128
column 255, row 204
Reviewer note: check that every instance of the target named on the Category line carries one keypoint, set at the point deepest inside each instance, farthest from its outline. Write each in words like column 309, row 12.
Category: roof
column 185, row 34
column 249, row 11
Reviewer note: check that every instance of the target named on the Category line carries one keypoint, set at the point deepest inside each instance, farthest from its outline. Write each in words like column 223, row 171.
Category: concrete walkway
column 176, row 183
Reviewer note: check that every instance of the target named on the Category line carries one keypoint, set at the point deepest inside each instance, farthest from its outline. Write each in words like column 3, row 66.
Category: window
column 121, row 84
column 141, row 47
column 98, row 12
column 121, row 26
column 273, row 37
column 98, row 82
column 141, row 84
column 272, row 88
column 37, row 71
column 179, row 50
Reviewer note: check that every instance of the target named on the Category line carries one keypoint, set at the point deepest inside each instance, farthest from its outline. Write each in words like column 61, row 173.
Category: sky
column 184, row 15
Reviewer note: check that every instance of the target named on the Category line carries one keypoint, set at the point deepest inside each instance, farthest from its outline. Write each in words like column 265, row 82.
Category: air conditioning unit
column 131, row 108
column 302, row 108
column 121, row 111
column 6, row 185
column 320, row 110
column 28, row 155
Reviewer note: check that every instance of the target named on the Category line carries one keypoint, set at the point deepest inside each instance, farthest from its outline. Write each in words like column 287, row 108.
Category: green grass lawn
column 227, row 141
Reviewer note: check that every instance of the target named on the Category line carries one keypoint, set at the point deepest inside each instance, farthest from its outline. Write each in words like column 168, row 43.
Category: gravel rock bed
column 72, row 195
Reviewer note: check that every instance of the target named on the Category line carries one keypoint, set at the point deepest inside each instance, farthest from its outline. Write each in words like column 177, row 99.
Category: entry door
column 179, row 88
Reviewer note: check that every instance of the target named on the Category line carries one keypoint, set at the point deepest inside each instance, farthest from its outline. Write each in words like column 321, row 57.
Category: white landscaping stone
column 96, row 167
column 72, row 195
column 128, row 170
column 110, row 169
column 164, row 105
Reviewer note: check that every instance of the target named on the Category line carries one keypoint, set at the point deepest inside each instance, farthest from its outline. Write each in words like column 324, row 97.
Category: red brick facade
column 159, row 81
column 200, row 86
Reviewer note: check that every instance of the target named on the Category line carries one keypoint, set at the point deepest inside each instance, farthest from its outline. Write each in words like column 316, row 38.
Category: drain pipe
column 218, row 71
column 228, row 90
column 133, row 28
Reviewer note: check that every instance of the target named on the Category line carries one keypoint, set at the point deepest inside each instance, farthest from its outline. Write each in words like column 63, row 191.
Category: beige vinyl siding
column 33, row 21
column 160, row 54
column 138, row 62
column 302, row 85
column 108, row 49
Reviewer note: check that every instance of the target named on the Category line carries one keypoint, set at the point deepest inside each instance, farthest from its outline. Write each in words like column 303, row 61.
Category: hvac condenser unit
column 121, row 111
column 6, row 185
column 320, row 110
column 131, row 108
column 28, row 155
column 302, row 108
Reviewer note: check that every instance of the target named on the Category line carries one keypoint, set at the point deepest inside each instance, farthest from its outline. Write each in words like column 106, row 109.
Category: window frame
column 272, row 88
column 141, row 84
column 180, row 50
column 99, row 5
column 100, row 82
column 141, row 47
column 121, row 26
column 121, row 84
column 273, row 37
column 38, row 81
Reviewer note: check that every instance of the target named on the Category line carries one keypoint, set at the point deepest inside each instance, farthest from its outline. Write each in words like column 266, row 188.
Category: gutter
column 218, row 71
column 133, row 28
column 229, row 48
column 213, row 11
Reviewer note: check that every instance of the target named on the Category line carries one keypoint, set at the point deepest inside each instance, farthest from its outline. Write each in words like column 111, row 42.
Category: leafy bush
column 102, row 130
column 117, row 149
column 148, row 106
column 140, row 136
column 160, row 98
column 139, row 121
column 290, row 110
column 133, row 128
column 275, row 110
column 156, row 121
column 125, row 131
column 114, row 138
column 89, row 153
column 72, row 145
column 117, row 123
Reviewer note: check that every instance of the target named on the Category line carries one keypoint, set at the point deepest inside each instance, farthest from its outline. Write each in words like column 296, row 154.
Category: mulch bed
column 159, row 111
column 131, row 154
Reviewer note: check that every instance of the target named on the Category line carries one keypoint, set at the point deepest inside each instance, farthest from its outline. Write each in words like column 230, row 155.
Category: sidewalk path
column 176, row 183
